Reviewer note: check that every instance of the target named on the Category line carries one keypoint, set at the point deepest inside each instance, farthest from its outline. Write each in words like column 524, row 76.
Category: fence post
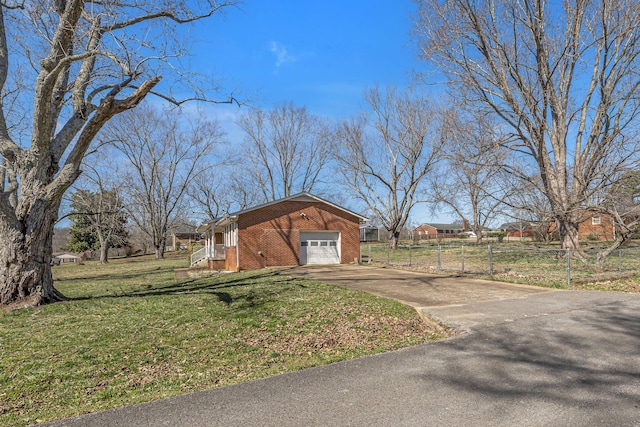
column 568, row 252
column 462, row 248
column 439, row 258
column 619, row 260
column 490, row 261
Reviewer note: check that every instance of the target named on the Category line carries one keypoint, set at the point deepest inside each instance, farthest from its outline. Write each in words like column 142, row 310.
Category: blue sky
column 318, row 54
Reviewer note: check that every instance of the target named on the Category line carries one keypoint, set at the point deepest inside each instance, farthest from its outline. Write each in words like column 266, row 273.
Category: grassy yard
column 131, row 334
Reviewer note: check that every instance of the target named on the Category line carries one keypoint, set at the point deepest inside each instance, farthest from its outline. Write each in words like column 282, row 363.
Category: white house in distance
column 66, row 258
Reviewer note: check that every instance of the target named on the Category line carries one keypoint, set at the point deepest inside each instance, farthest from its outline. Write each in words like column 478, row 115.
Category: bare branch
column 385, row 157
column 561, row 76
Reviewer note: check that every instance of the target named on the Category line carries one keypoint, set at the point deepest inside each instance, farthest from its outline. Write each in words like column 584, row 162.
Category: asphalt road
column 563, row 358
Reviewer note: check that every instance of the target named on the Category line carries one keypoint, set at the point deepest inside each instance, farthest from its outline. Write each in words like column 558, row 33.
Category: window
column 595, row 220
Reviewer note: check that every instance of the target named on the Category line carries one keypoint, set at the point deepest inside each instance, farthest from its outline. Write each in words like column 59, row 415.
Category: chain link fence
column 524, row 264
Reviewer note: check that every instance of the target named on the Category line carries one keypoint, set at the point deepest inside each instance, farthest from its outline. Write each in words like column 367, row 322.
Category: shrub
column 500, row 235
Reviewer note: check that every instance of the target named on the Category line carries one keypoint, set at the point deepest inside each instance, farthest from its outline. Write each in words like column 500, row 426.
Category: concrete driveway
column 417, row 289
column 531, row 358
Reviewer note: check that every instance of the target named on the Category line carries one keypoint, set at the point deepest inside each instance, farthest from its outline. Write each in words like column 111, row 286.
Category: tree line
column 537, row 119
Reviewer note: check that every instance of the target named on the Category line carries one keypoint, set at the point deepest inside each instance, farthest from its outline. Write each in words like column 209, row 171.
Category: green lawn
column 130, row 334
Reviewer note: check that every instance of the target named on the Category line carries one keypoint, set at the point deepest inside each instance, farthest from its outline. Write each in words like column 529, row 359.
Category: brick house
column 296, row 230
column 183, row 239
column 529, row 229
column 593, row 226
column 596, row 226
column 437, row 231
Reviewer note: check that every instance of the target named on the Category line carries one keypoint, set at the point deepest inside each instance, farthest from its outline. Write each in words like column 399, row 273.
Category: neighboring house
column 591, row 226
column 523, row 228
column 297, row 230
column 437, row 231
column 66, row 257
column 596, row 226
column 183, row 239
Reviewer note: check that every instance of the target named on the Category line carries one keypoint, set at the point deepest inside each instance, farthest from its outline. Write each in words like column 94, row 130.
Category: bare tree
column 101, row 214
column 163, row 152
column 208, row 193
column 287, row 149
column 472, row 183
column 386, row 155
column 621, row 201
column 562, row 76
column 529, row 208
column 82, row 62
column 217, row 191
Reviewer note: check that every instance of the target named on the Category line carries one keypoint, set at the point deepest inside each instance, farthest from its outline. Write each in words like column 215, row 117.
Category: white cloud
column 281, row 53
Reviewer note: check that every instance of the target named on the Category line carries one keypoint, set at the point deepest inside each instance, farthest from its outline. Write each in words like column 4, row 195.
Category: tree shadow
column 586, row 359
column 213, row 285
column 108, row 276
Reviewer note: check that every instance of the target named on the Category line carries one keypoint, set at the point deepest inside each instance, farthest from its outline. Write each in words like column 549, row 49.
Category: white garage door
column 319, row 247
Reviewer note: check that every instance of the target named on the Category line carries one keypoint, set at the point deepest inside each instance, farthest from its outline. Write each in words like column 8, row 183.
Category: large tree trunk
column 569, row 236
column 395, row 238
column 159, row 248
column 104, row 247
column 104, row 252
column 25, row 259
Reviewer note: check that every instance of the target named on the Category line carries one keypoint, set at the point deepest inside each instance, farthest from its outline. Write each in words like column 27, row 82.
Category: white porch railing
column 197, row 256
column 208, row 252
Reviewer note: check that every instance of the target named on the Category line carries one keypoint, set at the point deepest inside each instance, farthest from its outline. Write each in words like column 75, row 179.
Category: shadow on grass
column 109, row 276
column 214, row 285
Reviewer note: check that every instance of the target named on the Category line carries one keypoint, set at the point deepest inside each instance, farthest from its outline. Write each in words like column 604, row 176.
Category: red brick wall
column 217, row 264
column 603, row 231
column 428, row 232
column 270, row 236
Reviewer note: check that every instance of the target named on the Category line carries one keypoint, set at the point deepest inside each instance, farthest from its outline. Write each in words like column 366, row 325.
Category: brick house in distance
column 593, row 226
column 529, row 229
column 183, row 239
column 296, row 230
column 437, row 231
